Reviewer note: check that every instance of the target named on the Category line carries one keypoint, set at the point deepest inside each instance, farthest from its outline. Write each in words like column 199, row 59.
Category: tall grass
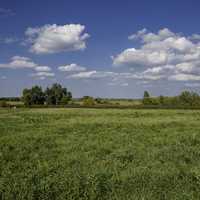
column 99, row 154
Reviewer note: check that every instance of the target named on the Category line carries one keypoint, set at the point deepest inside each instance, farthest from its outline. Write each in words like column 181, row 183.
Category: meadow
column 99, row 154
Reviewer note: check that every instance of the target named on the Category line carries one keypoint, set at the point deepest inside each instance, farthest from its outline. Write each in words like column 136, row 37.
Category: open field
column 122, row 102
column 99, row 154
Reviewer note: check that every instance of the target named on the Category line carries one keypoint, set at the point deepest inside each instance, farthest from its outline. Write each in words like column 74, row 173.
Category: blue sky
column 100, row 48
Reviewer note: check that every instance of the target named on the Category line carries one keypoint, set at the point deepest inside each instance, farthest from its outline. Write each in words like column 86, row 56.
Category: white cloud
column 150, row 37
column 162, row 55
column 186, row 67
column 43, row 75
column 142, row 82
column 195, row 37
column 185, row 77
column 57, row 38
column 137, row 57
column 124, row 84
column 138, row 35
column 118, row 84
column 81, row 75
column 43, row 68
column 93, row 75
column 18, row 62
column 118, row 78
column 71, row 68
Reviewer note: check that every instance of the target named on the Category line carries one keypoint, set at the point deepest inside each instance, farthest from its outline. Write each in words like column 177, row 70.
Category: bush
column 3, row 104
column 185, row 99
column 65, row 100
column 98, row 100
column 88, row 101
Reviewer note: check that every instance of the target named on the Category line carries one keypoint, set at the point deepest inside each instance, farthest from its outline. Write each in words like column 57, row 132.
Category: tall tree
column 37, row 95
column 146, row 98
column 32, row 96
column 57, row 94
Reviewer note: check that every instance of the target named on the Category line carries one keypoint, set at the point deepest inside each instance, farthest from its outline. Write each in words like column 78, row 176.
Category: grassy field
column 99, row 154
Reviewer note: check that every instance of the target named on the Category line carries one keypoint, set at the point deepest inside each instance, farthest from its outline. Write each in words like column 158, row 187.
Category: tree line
column 58, row 95
column 54, row 95
column 185, row 99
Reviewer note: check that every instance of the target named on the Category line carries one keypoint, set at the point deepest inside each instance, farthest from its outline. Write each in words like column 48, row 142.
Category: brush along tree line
column 185, row 99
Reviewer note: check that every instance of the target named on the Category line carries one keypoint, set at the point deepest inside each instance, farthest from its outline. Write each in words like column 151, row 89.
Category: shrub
column 65, row 100
column 3, row 104
column 88, row 101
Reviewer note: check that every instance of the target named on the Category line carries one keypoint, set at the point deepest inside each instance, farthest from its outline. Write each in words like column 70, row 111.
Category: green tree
column 98, row 100
column 57, row 94
column 37, row 95
column 161, row 100
column 185, row 98
column 65, row 100
column 146, row 94
column 146, row 98
column 195, row 99
column 33, row 96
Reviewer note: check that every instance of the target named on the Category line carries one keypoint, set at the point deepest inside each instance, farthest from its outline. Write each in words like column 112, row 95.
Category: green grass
column 15, row 103
column 99, row 154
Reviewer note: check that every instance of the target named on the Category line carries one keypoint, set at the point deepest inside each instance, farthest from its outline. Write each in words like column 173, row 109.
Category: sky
column 114, row 49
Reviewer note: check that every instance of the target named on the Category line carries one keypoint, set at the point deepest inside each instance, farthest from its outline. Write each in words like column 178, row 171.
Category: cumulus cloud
column 195, row 37
column 115, row 83
column 43, row 68
column 185, row 77
column 147, row 37
column 43, row 75
column 138, row 35
column 136, row 57
column 162, row 55
column 57, row 38
column 93, row 75
column 115, row 78
column 18, row 62
column 71, row 68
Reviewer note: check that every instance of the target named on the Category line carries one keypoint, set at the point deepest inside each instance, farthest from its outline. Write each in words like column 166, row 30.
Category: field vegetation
column 99, row 154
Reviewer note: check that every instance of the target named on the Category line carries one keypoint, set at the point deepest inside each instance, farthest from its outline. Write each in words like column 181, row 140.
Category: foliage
column 88, row 101
column 57, row 94
column 99, row 100
column 33, row 96
column 185, row 99
column 99, row 154
column 65, row 100
column 146, row 99
column 3, row 104
column 54, row 95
